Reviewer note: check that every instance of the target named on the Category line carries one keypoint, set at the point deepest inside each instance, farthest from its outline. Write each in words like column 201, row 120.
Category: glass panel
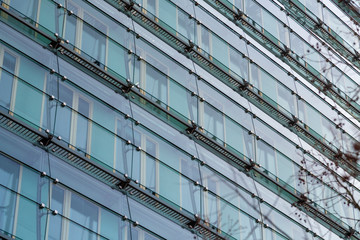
column 285, row 99
column 55, row 222
column 156, row 84
column 70, row 29
column 83, row 125
column 253, row 10
column 238, row 64
column 55, row 227
column 84, row 213
column 29, row 101
column 220, row 50
column 112, row 226
column 167, row 13
column 63, row 118
column 185, row 26
column 9, row 175
column 29, row 224
column 28, row 8
column 51, row 17
column 118, row 60
column 266, row 156
column 214, row 122
column 6, row 79
column 93, row 42
column 180, row 100
column 171, row 185
column 285, row 169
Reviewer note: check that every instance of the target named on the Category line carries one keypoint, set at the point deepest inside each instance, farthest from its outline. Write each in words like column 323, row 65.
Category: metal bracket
column 124, row 184
column 350, row 233
column 193, row 224
column 191, row 130
column 238, row 16
column 244, row 86
column 294, row 121
column 45, row 141
column 190, row 47
column 286, row 52
column 127, row 89
column 249, row 167
column 129, row 6
column 55, row 44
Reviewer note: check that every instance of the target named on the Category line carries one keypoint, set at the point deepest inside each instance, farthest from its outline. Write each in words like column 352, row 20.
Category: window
column 253, row 10
column 204, row 40
column 21, row 86
column 145, row 164
column 219, row 50
column 312, row 7
column 139, row 234
column 213, row 121
column 273, row 89
column 237, row 4
column 221, row 207
column 185, row 25
column 224, row 56
column 77, row 218
column 238, row 64
column 72, row 121
column 152, row 80
column 151, row 6
column 266, row 157
column 318, row 123
column 189, row 193
column 9, row 178
column 28, row 8
column 84, row 213
column 165, row 12
column 123, row 152
column 152, row 76
column 267, row 21
column 149, row 165
column 83, row 32
column 9, row 63
column 19, row 213
column 277, row 164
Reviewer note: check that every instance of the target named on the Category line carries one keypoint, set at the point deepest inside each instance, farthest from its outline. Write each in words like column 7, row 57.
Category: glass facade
column 174, row 119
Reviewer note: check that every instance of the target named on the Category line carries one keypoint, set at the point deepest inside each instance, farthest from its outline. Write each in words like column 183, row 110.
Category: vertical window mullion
column 66, row 213
column 17, row 200
column 73, row 124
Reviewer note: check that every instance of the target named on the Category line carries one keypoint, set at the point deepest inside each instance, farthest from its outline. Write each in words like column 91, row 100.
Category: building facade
column 178, row 119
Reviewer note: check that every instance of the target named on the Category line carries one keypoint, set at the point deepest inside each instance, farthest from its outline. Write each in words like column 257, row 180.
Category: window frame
column 81, row 12
column 4, row 49
column 74, row 108
column 143, row 65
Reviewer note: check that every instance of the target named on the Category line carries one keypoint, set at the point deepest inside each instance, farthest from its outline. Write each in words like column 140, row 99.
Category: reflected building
column 174, row 119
